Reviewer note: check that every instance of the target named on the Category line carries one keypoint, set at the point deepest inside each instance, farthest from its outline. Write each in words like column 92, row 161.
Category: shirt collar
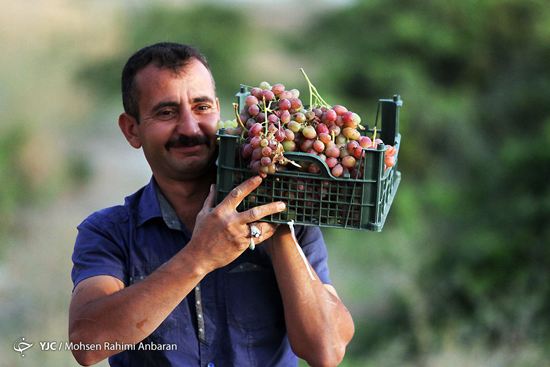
column 168, row 213
column 153, row 204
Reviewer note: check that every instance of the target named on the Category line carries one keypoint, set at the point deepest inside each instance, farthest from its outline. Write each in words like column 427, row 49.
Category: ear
column 129, row 127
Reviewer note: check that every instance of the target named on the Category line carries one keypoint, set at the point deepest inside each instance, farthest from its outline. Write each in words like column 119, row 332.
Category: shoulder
column 116, row 215
column 107, row 217
column 308, row 235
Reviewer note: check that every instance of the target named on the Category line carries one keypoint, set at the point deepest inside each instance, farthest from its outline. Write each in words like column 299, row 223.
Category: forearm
column 131, row 314
column 318, row 324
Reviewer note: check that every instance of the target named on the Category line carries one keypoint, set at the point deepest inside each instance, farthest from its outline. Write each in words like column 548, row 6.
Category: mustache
column 187, row 141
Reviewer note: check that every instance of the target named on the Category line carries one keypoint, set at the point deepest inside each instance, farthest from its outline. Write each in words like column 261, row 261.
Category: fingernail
column 257, row 179
column 281, row 206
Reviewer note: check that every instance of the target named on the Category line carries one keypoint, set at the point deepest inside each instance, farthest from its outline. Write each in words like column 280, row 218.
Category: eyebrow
column 203, row 99
column 163, row 104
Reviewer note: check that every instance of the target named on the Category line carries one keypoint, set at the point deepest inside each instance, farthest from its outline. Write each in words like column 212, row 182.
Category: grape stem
column 319, row 101
column 237, row 116
column 265, row 115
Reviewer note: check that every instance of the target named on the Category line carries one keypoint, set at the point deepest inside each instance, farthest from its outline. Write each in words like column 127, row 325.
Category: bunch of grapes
column 274, row 120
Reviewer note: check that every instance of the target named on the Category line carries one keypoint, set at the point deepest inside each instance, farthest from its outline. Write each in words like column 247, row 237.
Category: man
column 168, row 279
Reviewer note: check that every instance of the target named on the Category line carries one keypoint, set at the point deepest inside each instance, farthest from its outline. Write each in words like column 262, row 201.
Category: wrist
column 282, row 235
column 193, row 262
column 282, row 231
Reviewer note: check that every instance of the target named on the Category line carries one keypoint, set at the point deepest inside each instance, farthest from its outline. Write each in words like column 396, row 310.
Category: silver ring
column 254, row 231
column 252, row 244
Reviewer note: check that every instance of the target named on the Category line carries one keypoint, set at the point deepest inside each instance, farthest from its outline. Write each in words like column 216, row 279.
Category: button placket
column 200, row 315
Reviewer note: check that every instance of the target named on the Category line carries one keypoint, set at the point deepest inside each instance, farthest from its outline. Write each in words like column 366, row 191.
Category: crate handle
column 324, row 171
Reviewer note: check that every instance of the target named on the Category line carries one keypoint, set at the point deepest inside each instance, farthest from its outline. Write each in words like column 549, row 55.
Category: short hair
column 167, row 55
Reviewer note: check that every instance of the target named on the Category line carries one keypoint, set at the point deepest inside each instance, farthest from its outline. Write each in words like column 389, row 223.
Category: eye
column 203, row 107
column 165, row 114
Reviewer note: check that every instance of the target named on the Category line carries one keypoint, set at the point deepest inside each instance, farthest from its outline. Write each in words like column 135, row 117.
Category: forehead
column 194, row 77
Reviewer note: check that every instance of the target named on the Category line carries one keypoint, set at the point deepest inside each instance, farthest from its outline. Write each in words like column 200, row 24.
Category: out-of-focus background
column 460, row 274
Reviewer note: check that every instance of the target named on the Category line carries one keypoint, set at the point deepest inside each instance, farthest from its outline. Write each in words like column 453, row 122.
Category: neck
column 187, row 197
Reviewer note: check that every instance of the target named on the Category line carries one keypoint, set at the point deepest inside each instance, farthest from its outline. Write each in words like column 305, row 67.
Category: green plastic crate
column 321, row 199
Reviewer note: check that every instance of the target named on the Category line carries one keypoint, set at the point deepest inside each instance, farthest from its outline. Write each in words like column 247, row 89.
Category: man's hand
column 221, row 233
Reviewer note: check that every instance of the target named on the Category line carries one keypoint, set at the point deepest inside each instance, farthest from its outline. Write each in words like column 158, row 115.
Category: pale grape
column 309, row 132
column 294, row 126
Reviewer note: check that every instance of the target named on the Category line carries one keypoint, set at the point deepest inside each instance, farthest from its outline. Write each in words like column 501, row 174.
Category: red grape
column 365, row 142
column 337, row 170
column 284, row 104
column 348, row 161
column 253, row 110
column 340, row 110
column 289, row 135
column 331, row 162
column 295, row 103
column 255, row 130
column 268, row 95
column 256, row 92
column 286, row 94
column 319, row 146
column 332, row 152
column 251, row 100
column 306, row 145
column 331, row 115
column 255, row 141
column 321, row 128
column 277, row 89
column 325, row 137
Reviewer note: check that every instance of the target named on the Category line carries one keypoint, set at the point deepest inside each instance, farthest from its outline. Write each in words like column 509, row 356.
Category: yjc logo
column 21, row 345
column 48, row 345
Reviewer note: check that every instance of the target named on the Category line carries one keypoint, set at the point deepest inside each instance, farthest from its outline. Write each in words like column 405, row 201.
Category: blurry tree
column 475, row 80
column 213, row 29
column 467, row 234
column 14, row 187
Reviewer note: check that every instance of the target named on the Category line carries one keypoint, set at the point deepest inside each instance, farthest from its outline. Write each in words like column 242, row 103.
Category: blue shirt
column 234, row 317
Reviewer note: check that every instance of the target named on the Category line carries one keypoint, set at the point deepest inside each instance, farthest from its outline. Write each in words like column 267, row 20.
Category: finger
column 240, row 192
column 210, row 199
column 258, row 212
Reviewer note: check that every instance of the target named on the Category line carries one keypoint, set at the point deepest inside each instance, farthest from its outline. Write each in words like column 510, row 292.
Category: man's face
column 178, row 120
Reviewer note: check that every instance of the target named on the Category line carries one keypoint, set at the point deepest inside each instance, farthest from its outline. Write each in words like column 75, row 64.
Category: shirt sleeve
column 313, row 244
column 99, row 250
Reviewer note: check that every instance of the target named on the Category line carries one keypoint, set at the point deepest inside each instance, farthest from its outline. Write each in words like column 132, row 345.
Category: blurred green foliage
column 475, row 80
column 463, row 262
column 216, row 36
column 12, row 180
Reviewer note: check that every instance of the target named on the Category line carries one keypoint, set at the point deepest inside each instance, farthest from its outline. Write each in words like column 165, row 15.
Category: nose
column 188, row 124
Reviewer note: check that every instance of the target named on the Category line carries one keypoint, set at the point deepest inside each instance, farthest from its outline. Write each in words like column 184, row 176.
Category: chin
column 196, row 170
